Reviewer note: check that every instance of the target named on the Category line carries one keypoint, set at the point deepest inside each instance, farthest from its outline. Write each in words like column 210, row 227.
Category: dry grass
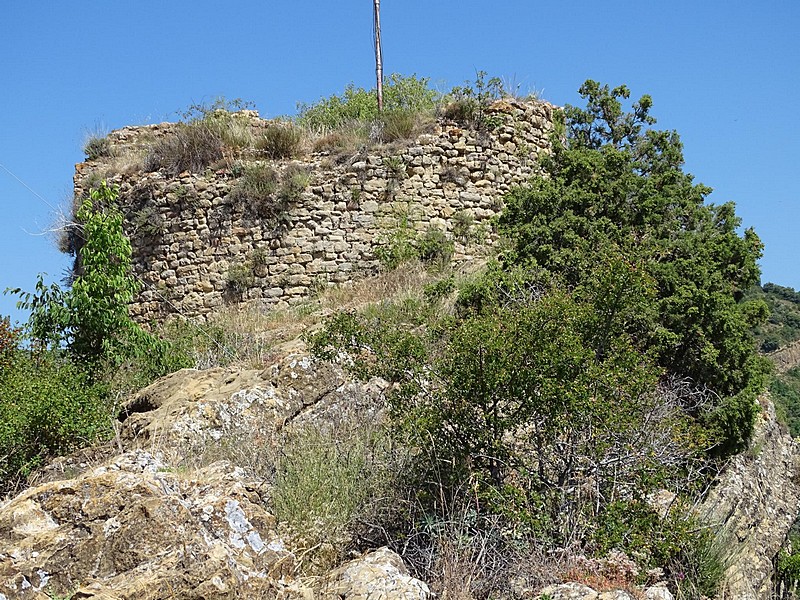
column 280, row 140
column 252, row 335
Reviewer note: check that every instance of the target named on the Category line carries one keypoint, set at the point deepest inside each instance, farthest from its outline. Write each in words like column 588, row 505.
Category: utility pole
column 378, row 57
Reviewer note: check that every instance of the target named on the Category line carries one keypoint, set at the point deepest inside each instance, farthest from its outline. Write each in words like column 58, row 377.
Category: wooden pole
column 378, row 56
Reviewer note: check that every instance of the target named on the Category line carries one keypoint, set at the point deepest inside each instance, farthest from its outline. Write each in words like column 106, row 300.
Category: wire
column 29, row 188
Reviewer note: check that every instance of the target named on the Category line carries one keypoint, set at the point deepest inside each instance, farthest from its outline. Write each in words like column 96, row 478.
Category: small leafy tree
column 56, row 395
column 90, row 319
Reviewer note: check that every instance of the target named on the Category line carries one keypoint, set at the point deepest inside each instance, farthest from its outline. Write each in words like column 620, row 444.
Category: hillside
column 782, row 328
column 779, row 337
column 471, row 347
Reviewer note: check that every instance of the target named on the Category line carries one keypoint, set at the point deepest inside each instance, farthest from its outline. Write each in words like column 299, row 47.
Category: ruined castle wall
column 190, row 234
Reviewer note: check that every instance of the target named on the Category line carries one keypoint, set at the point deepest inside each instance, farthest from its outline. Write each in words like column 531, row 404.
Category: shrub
column 615, row 185
column 397, row 125
column 403, row 244
column 190, row 147
column 239, row 278
column 279, row 140
column 97, row 147
column 463, row 222
column 326, row 481
column 148, row 222
column 268, row 195
column 395, row 168
column 48, row 407
column 435, row 248
column 207, row 135
column 257, row 187
column 534, row 399
column 329, row 142
column 401, row 95
column 9, row 342
column 398, row 246
column 467, row 104
column 293, row 183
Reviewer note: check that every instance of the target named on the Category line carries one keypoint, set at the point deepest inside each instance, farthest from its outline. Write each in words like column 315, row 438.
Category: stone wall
column 190, row 234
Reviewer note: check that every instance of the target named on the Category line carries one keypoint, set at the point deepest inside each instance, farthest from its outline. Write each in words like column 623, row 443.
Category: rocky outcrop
column 129, row 529
column 380, row 574
column 173, row 508
column 181, row 415
column 579, row 591
column 786, row 358
column 754, row 503
column 154, row 519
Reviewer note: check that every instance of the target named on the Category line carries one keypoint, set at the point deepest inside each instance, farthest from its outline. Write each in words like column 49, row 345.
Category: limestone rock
column 658, row 592
column 378, row 575
column 579, row 591
column 755, row 502
column 128, row 529
column 182, row 411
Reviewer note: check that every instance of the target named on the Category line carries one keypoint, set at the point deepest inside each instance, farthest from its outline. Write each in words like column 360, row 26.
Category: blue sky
column 724, row 74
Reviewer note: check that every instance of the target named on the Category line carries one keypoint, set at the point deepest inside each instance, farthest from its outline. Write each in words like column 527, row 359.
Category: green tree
column 613, row 184
column 91, row 318
column 56, row 394
column 48, row 406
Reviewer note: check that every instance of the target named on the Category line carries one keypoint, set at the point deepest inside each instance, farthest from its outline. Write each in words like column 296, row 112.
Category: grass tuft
column 280, row 140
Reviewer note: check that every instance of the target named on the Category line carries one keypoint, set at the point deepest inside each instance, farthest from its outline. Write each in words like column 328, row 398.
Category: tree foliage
column 782, row 327
column 48, row 406
column 90, row 319
column 56, row 391
column 614, row 185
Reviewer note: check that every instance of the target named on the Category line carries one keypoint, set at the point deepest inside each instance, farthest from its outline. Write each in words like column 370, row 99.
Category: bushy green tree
column 613, row 184
column 90, row 319
column 48, row 406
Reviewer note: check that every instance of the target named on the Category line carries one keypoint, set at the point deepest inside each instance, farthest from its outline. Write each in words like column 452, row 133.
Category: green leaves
column 48, row 406
column 91, row 318
column 616, row 188
column 409, row 94
column 55, row 396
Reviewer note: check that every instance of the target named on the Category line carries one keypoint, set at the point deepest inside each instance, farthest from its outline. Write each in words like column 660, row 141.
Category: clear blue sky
column 723, row 73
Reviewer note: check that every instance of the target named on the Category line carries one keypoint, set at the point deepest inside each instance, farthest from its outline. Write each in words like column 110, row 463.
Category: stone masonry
column 188, row 232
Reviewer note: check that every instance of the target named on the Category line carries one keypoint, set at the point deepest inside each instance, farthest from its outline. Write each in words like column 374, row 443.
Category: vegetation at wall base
column 607, row 355
column 57, row 390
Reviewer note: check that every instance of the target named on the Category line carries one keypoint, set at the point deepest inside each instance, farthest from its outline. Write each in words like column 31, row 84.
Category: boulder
column 131, row 529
